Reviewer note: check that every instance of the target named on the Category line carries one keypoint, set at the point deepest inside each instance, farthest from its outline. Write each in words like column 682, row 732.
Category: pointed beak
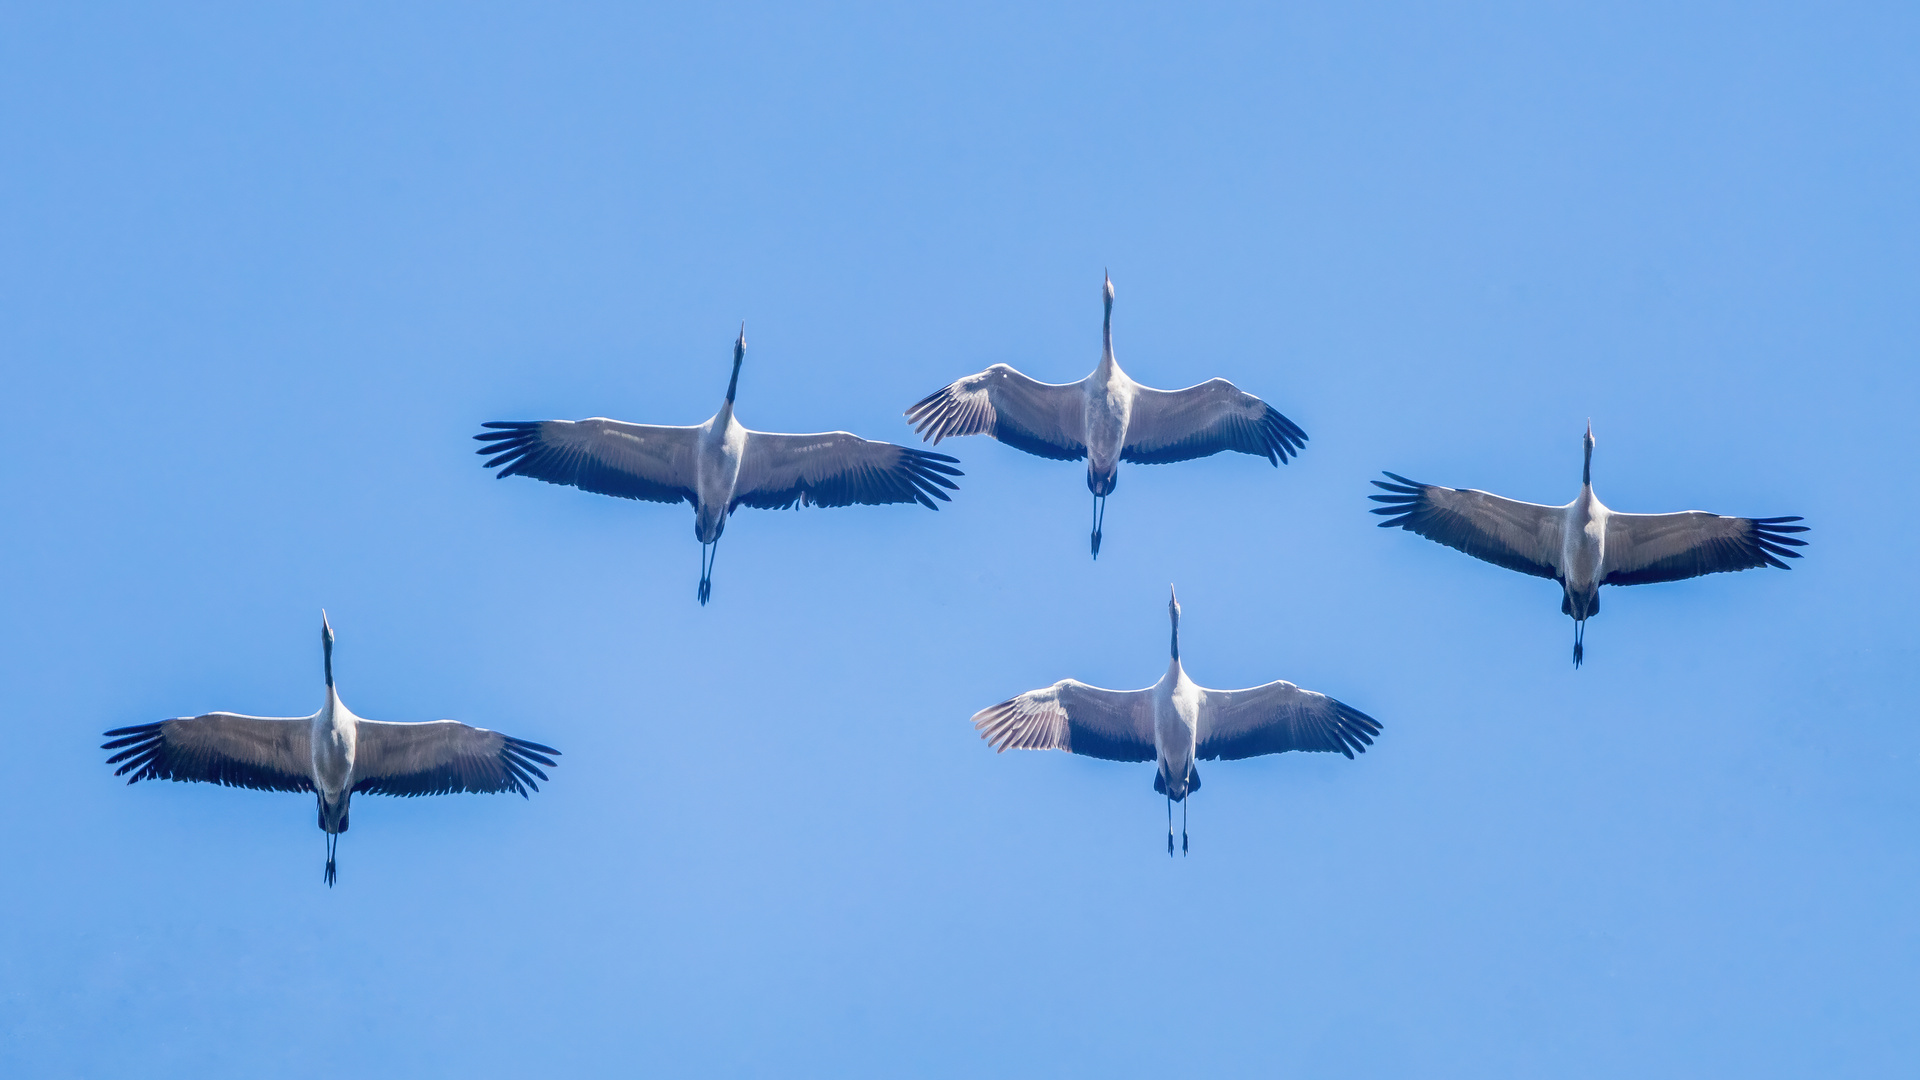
column 326, row 628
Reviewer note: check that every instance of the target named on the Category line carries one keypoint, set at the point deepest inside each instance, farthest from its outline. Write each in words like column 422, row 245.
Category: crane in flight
column 1174, row 723
column 1584, row 545
column 332, row 753
column 1107, row 418
column 717, row 466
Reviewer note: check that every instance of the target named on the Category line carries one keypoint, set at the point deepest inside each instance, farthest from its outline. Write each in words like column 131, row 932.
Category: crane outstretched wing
column 1176, row 425
column 1048, row 419
column 444, row 756
column 1070, row 715
column 1520, row 536
column 267, row 753
column 1278, row 717
column 607, row 457
column 838, row 469
column 1645, row 548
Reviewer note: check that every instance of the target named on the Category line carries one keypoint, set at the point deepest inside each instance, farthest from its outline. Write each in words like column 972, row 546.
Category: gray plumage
column 717, row 466
column 332, row 753
column 1174, row 723
column 1107, row 418
column 1584, row 544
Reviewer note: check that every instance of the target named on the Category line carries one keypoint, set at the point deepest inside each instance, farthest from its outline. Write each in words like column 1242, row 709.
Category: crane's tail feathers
column 1160, row 782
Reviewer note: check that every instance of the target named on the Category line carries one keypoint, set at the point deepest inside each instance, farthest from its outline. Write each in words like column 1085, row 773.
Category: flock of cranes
column 1105, row 419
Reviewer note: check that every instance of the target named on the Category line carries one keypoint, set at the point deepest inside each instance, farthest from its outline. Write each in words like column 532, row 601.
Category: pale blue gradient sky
column 263, row 272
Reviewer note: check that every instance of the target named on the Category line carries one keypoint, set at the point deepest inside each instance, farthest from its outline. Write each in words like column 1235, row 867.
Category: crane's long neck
column 733, row 384
column 1107, row 362
column 1586, row 467
column 1176, row 638
column 326, row 650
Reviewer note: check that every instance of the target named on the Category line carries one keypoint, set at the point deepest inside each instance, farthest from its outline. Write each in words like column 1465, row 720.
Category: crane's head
column 1106, row 291
column 1586, row 449
column 1588, row 441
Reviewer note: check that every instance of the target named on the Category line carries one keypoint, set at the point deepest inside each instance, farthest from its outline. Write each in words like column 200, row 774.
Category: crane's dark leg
column 333, row 841
column 706, row 569
column 1184, row 803
column 1099, row 520
column 1579, row 641
column 1169, row 826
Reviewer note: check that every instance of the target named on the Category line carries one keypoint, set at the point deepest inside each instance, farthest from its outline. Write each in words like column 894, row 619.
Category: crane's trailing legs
column 1100, row 519
column 338, row 825
column 1183, row 829
column 708, row 553
column 1579, row 641
column 1169, row 826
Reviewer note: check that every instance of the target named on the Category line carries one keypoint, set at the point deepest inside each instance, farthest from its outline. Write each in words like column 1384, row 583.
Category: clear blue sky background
column 263, row 273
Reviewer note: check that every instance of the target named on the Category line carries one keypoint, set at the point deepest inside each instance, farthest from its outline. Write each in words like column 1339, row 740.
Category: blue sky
column 262, row 272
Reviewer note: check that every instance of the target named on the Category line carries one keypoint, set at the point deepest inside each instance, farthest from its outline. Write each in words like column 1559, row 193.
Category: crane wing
column 1048, row 419
column 1520, row 536
column 1645, row 548
column 1278, row 717
column 1175, row 425
column 267, row 753
column 607, row 457
column 1070, row 715
column 838, row 469
column 444, row 756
